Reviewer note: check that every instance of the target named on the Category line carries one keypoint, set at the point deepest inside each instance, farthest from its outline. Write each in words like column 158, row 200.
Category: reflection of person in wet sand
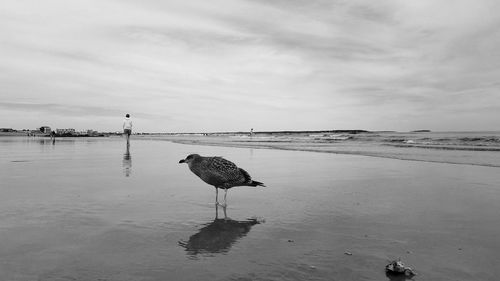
column 218, row 236
column 127, row 127
column 127, row 161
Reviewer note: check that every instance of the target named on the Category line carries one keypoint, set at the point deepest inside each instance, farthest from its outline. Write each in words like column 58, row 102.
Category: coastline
column 462, row 155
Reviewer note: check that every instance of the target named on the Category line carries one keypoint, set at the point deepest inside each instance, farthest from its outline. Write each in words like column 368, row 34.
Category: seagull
column 220, row 173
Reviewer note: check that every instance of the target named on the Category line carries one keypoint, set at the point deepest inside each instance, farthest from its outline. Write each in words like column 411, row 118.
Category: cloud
column 65, row 110
column 226, row 64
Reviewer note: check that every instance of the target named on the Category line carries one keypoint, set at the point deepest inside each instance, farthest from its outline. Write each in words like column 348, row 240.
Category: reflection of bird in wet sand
column 220, row 173
column 218, row 236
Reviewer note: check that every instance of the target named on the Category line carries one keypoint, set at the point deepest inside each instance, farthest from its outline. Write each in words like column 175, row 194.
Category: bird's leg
column 216, row 197
column 225, row 214
column 225, row 201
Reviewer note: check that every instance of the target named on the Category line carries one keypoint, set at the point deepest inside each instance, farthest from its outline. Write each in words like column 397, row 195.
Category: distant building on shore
column 45, row 129
column 63, row 132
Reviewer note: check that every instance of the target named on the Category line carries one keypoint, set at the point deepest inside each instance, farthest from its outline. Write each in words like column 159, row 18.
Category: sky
column 232, row 65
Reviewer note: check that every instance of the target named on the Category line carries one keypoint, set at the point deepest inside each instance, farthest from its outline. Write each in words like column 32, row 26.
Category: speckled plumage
column 219, row 172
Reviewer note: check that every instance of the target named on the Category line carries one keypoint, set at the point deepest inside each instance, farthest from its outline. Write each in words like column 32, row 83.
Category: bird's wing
column 225, row 170
column 245, row 175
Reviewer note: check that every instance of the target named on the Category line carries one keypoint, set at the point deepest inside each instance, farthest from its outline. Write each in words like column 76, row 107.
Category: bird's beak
column 182, row 161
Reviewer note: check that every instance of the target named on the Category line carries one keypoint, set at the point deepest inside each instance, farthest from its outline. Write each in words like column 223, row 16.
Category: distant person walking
column 127, row 126
column 53, row 137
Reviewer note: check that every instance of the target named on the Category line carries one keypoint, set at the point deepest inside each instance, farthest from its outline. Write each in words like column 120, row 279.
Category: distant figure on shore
column 127, row 126
column 251, row 132
column 53, row 137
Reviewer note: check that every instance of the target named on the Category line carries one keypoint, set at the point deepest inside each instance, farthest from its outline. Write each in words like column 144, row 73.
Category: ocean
column 473, row 148
column 473, row 141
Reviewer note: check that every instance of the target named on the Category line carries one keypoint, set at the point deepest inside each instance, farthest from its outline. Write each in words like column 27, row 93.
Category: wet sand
column 90, row 210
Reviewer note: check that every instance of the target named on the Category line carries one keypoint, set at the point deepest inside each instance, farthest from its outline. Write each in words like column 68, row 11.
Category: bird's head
column 190, row 158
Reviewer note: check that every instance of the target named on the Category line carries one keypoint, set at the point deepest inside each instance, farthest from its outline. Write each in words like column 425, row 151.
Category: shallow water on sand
column 91, row 209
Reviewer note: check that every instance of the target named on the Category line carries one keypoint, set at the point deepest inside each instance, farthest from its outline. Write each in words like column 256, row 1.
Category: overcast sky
column 231, row 65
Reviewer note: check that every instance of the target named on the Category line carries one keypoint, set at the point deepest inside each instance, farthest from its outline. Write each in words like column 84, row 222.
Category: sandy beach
column 91, row 209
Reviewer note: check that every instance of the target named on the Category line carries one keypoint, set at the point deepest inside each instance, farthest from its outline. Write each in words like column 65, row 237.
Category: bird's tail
column 256, row 183
column 248, row 179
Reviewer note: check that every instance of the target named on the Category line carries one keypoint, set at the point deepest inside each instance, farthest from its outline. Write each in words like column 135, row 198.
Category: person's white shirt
column 127, row 123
